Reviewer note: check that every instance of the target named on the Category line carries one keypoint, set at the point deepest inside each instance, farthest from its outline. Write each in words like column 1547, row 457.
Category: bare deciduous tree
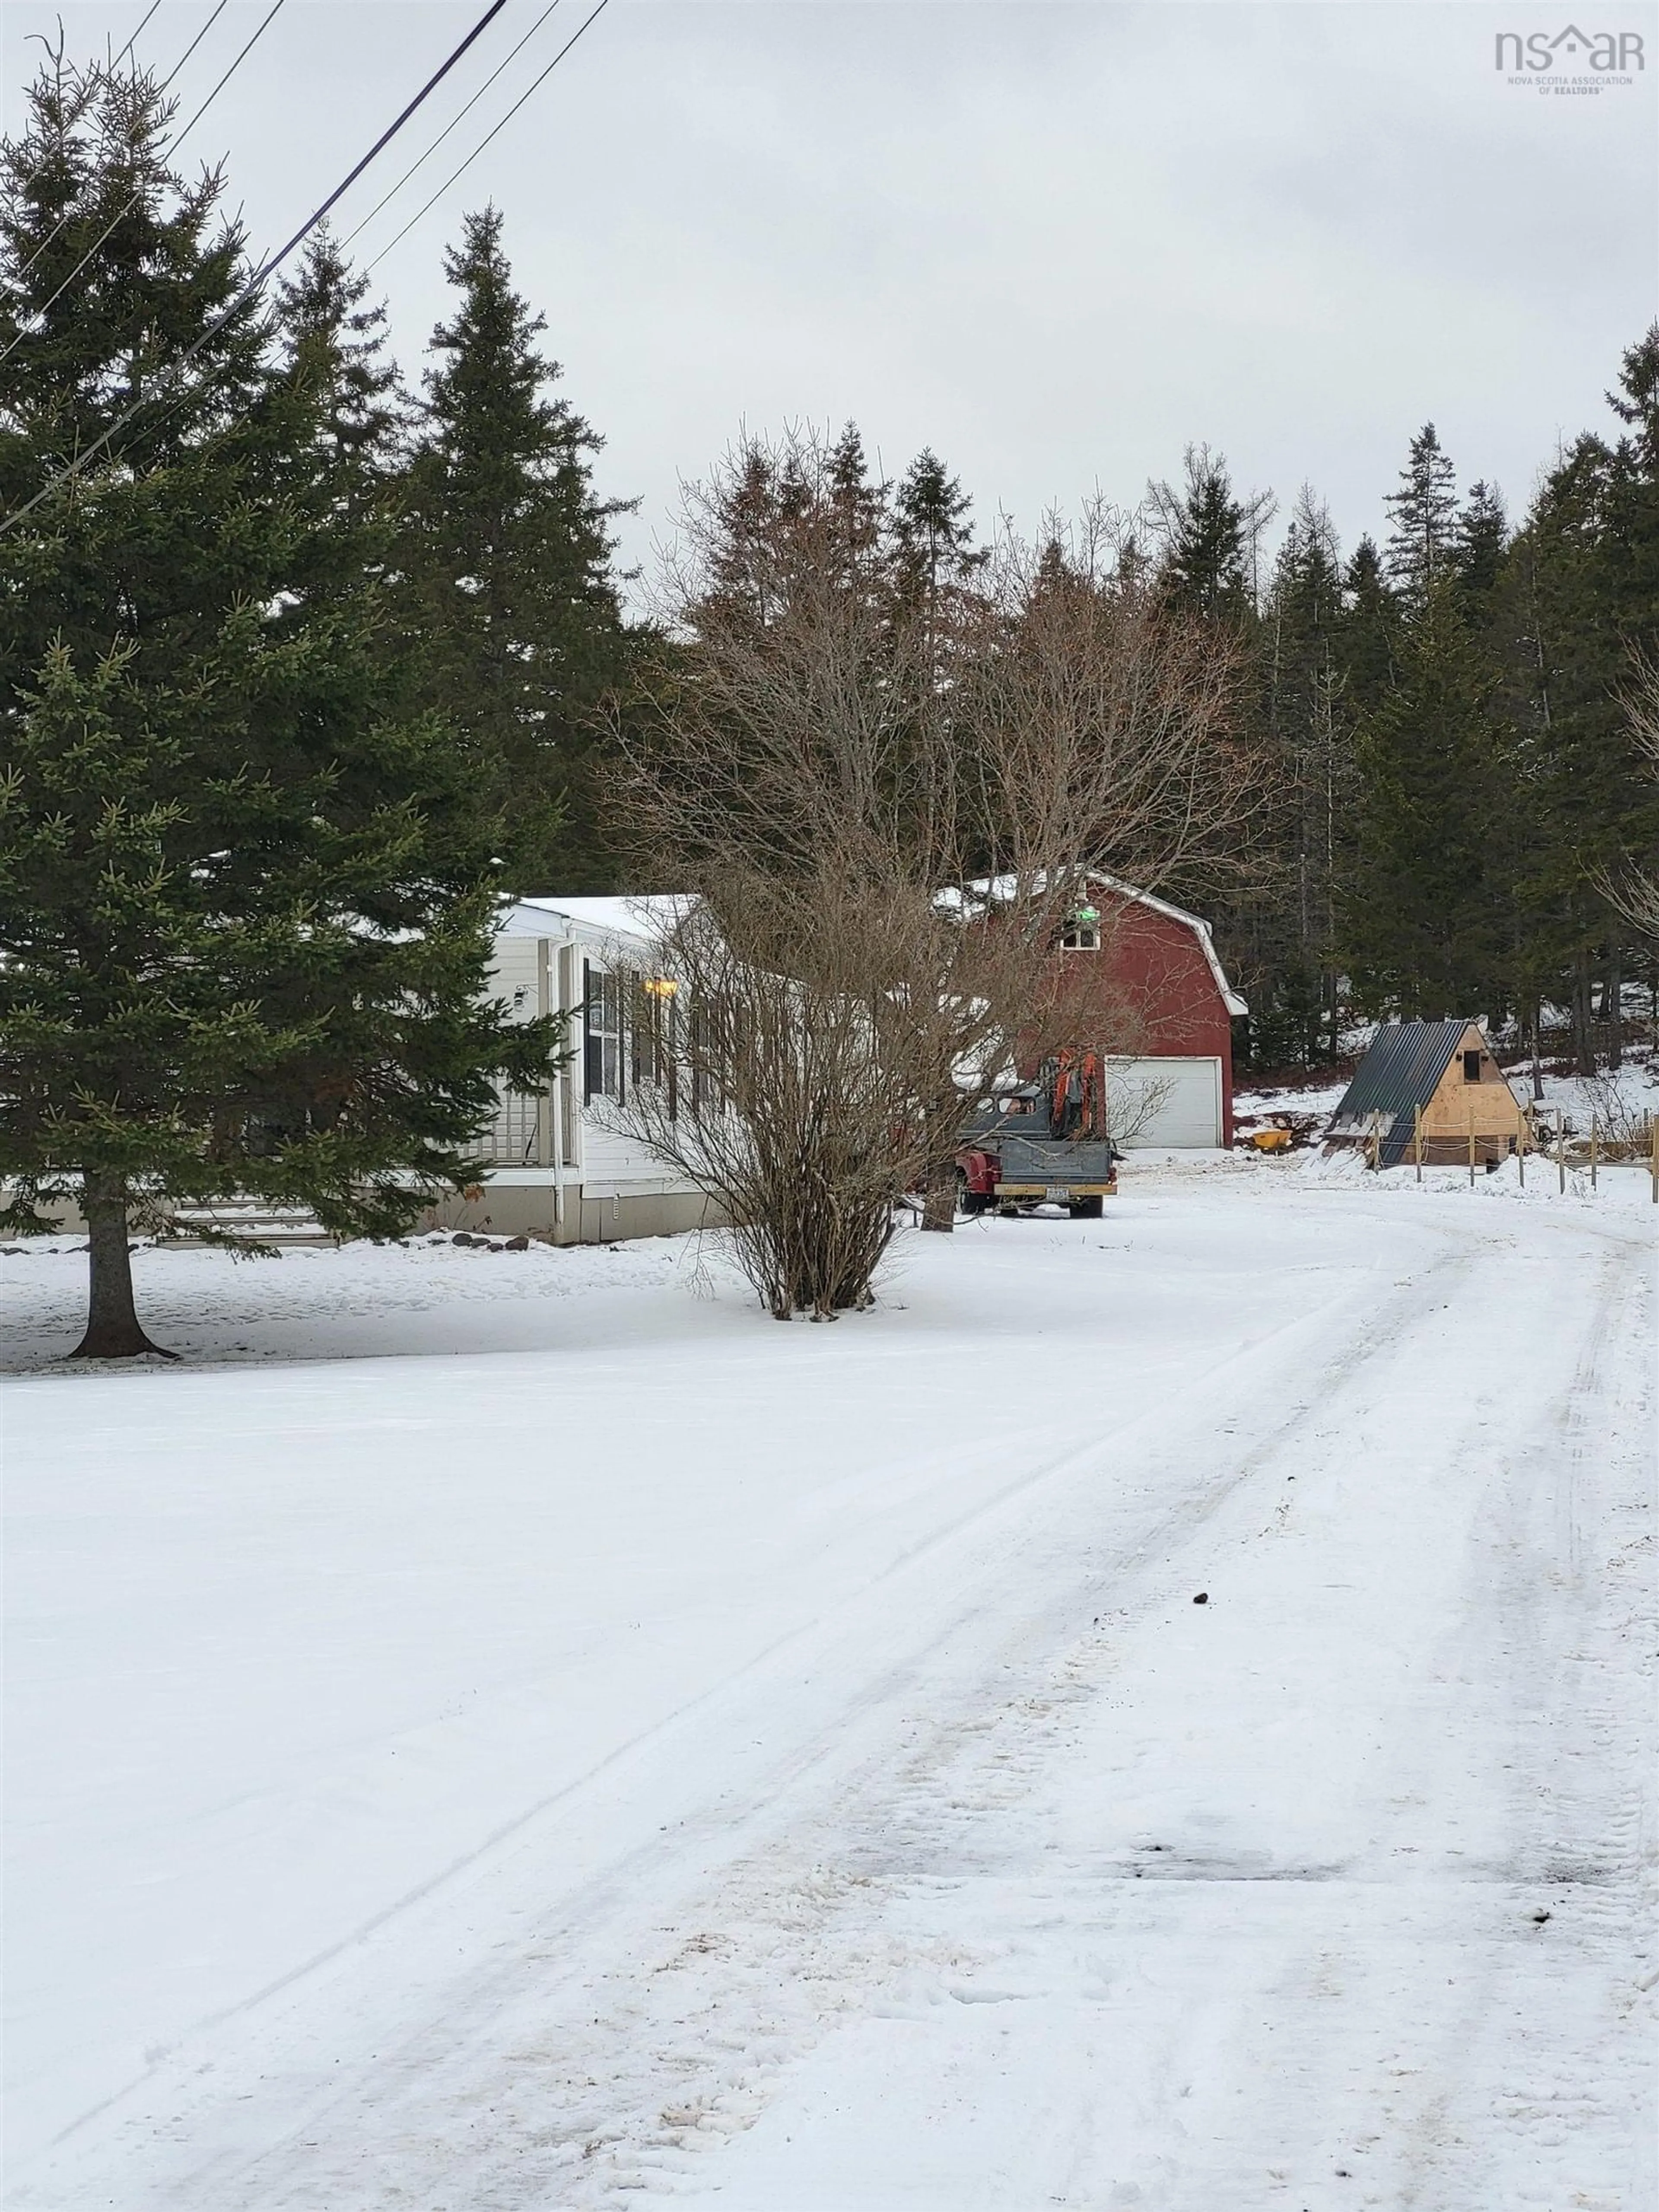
column 888, row 814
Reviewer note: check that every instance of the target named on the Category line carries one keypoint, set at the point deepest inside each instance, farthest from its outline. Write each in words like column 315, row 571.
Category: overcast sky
column 1057, row 242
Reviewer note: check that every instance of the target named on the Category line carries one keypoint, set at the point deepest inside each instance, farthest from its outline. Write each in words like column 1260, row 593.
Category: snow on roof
column 638, row 918
column 642, row 916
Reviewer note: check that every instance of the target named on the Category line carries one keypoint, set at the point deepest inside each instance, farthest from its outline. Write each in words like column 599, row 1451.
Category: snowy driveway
column 643, row 1754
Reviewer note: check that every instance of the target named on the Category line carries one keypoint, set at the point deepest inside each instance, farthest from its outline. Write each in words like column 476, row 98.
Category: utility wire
column 133, row 41
column 535, row 83
column 450, row 125
column 195, row 42
column 274, row 10
column 266, row 269
column 121, row 213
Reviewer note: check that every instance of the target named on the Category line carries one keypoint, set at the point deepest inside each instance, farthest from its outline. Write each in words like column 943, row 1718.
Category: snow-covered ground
column 521, row 1730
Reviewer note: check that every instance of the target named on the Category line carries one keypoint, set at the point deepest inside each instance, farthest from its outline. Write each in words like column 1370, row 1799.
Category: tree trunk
column 1537, row 1063
column 938, row 1209
column 1582, row 1043
column 112, row 1330
column 1613, row 996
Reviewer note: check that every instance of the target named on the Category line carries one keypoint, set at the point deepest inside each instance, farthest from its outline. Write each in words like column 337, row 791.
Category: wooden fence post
column 1520, row 1149
column 1561, row 1150
column 1416, row 1139
column 1471, row 1148
column 1595, row 1136
column 1653, row 1137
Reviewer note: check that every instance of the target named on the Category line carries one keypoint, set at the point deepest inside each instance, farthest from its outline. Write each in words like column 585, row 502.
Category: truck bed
column 1045, row 1161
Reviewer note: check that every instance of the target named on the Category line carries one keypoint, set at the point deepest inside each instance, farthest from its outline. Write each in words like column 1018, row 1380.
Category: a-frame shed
column 1443, row 1071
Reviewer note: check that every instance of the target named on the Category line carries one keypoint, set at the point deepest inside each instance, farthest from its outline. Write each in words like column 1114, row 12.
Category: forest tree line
column 1437, row 719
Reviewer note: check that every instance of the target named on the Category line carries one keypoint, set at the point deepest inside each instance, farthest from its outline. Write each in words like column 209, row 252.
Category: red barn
column 1145, row 978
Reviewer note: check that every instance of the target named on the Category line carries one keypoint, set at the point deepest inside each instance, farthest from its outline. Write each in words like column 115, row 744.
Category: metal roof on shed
column 1402, row 1068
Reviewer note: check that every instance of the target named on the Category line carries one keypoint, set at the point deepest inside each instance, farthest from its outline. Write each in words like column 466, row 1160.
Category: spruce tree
column 933, row 557
column 245, row 908
column 1422, row 541
column 1480, row 542
column 1209, row 538
column 1371, row 627
column 858, row 506
column 1207, row 541
column 508, row 604
column 1295, row 1010
column 1422, row 911
column 933, row 530
column 335, row 349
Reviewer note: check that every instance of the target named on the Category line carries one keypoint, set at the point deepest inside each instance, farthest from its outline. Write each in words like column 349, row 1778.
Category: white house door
column 1173, row 1102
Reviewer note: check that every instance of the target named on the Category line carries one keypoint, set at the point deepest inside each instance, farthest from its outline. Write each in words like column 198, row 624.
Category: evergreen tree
column 933, row 530
column 1206, row 540
column 336, row 346
column 858, row 505
column 1295, row 1010
column 1422, row 541
column 1480, row 542
column 1371, row 621
column 1209, row 538
column 509, row 605
column 1421, row 915
column 245, row 910
column 933, row 557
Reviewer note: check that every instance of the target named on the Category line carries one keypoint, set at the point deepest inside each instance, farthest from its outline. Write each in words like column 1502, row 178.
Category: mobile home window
column 1471, row 1067
column 654, row 1040
column 602, row 1044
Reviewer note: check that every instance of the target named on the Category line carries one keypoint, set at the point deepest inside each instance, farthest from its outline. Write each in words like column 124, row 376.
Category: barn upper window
column 1081, row 937
column 1471, row 1067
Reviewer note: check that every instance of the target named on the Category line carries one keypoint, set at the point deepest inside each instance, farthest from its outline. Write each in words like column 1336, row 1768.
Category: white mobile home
column 561, row 1167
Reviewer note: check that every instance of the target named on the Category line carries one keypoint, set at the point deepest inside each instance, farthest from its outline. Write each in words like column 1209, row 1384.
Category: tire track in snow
column 1580, row 2110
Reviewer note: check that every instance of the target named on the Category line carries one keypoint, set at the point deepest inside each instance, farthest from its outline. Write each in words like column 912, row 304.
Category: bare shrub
column 768, row 1093
column 1623, row 1127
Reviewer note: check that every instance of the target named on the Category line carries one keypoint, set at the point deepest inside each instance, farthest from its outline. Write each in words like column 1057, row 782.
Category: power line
column 195, row 42
column 533, row 85
column 133, row 41
column 264, row 25
column 121, row 213
column 449, row 126
column 267, row 268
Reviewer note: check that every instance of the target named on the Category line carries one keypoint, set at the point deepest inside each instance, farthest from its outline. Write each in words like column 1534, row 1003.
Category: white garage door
column 1175, row 1102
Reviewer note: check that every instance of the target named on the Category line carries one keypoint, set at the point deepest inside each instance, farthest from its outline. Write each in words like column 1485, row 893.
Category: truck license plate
column 1059, row 1190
